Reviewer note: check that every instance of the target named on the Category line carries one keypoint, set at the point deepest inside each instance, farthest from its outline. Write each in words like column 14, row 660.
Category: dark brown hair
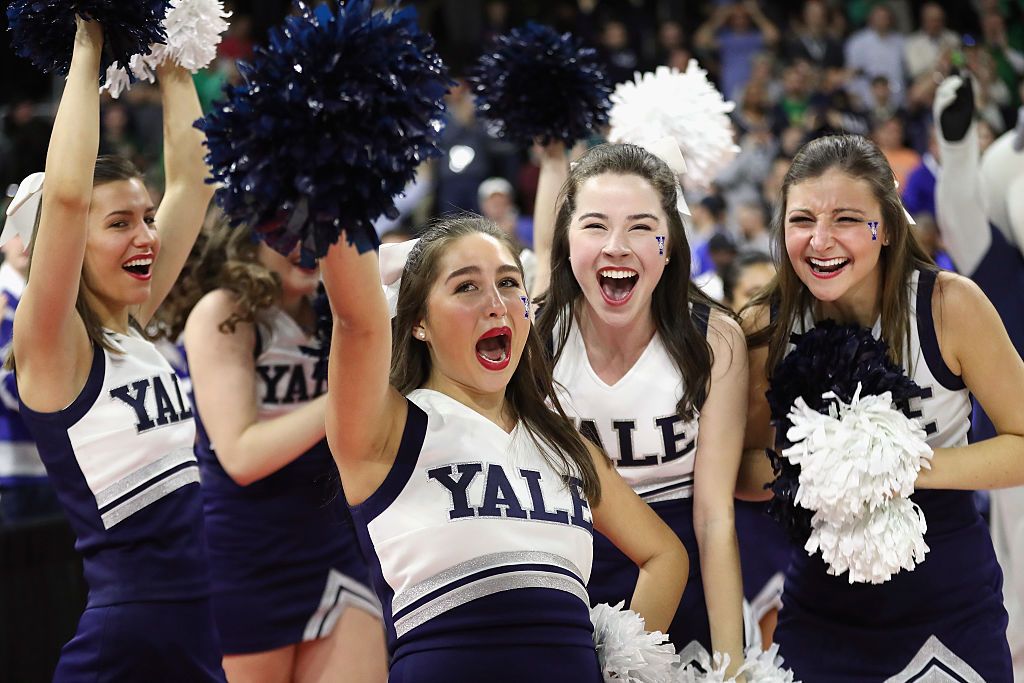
column 673, row 293
column 530, row 392
column 860, row 159
column 109, row 169
column 223, row 257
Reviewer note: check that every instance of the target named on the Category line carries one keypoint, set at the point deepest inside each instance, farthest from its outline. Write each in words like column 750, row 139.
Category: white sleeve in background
column 960, row 212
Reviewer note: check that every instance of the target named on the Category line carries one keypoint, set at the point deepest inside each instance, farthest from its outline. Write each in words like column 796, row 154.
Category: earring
column 873, row 225
column 421, row 334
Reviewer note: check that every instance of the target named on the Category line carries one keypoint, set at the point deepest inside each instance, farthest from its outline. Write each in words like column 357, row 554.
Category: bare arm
column 186, row 195
column 704, row 38
column 51, row 346
column 768, row 30
column 365, row 414
column 645, row 539
column 719, row 446
column 223, row 370
column 554, row 170
column 755, row 468
column 994, row 373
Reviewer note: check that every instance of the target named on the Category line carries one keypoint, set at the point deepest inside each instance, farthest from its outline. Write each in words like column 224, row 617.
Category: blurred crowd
column 794, row 71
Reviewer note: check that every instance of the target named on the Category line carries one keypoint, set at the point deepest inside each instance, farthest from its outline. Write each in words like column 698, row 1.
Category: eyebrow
column 475, row 270
column 128, row 212
column 631, row 217
column 839, row 210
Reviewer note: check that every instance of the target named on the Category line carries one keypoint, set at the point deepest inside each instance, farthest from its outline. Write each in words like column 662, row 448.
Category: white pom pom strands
column 858, row 464
column 627, row 652
column 683, row 105
column 194, row 29
column 759, row 666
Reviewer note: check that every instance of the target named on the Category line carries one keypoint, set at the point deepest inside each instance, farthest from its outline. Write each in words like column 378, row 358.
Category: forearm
column 723, row 587
column 554, row 170
column 994, row 463
column 659, row 587
column 183, row 143
column 265, row 446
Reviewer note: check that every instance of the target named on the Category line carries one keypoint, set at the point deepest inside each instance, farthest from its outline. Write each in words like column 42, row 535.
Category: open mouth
column 140, row 267
column 617, row 284
column 494, row 348
column 827, row 268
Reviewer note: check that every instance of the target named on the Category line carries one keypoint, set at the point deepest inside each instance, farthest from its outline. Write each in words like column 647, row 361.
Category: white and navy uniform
column 654, row 449
column 943, row 621
column 480, row 552
column 284, row 558
column 120, row 458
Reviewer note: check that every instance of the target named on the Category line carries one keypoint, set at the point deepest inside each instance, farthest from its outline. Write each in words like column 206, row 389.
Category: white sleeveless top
column 284, row 370
column 635, row 419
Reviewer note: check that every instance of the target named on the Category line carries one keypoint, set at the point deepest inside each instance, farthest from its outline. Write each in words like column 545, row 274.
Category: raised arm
column 644, row 538
column 365, row 414
column 186, row 194
column 223, row 369
column 994, row 372
column 51, row 347
column 719, row 446
column 554, row 170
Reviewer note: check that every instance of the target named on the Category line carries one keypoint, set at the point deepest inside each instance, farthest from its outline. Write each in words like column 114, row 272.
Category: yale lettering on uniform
column 165, row 408
column 500, row 499
column 288, row 384
column 674, row 444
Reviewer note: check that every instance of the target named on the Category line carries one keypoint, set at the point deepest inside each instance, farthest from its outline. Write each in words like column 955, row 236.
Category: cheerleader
column 847, row 254
column 474, row 501
column 113, row 428
column 291, row 593
column 641, row 379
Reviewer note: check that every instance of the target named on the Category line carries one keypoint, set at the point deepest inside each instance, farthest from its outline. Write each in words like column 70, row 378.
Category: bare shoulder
column 755, row 318
column 725, row 330
column 207, row 317
column 956, row 295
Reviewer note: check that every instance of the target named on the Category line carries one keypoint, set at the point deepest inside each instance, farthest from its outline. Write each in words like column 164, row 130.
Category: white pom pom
column 628, row 652
column 874, row 546
column 193, row 29
column 682, row 105
column 858, row 455
column 759, row 666
column 117, row 81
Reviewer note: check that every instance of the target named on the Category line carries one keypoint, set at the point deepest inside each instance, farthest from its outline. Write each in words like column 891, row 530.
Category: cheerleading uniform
column 942, row 621
column 480, row 553
column 764, row 555
column 654, row 450
column 120, row 458
column 284, row 559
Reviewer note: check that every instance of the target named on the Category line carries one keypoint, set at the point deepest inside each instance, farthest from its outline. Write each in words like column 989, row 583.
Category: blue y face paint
column 526, row 306
column 874, row 229
column 661, row 244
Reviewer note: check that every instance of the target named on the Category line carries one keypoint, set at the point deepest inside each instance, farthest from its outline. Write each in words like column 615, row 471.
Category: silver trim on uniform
column 923, row 670
column 340, row 593
column 150, row 495
column 144, row 474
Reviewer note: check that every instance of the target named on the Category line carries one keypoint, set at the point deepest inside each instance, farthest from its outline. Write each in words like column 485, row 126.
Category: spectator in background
column 1008, row 62
column 498, row 203
column 924, row 46
column 740, row 181
column 772, row 184
column 876, row 50
column 753, row 226
column 619, row 55
column 888, row 135
column 919, row 193
column 881, row 104
column 707, row 219
column 735, row 32
column 792, row 108
column 671, row 40
column 833, row 110
column 117, row 134
column 927, row 232
column 465, row 154
column 810, row 39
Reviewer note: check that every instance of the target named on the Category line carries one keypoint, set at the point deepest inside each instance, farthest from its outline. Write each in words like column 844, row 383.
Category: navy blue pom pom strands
column 828, row 357
column 329, row 125
column 536, row 84
column 43, row 31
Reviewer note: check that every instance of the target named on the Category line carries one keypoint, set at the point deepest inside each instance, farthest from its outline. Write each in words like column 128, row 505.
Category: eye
column 465, row 287
column 509, row 282
column 594, row 226
column 641, row 227
column 802, row 221
column 119, row 224
column 150, row 220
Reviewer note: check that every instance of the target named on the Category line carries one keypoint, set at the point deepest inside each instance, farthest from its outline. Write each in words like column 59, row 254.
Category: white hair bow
column 21, row 214
column 392, row 258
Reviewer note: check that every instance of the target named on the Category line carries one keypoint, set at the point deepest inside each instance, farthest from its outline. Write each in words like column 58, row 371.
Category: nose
column 821, row 238
column 145, row 235
column 496, row 306
column 616, row 244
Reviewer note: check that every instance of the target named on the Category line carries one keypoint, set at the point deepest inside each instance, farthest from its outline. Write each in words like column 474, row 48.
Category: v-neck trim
column 576, row 338
column 474, row 413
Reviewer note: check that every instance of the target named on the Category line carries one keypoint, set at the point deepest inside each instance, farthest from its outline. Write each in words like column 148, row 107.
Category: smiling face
column 122, row 244
column 829, row 238
column 296, row 281
column 618, row 242
column 475, row 324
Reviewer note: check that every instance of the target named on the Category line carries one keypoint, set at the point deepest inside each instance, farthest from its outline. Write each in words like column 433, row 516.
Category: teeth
column 145, row 261
column 618, row 274
column 827, row 263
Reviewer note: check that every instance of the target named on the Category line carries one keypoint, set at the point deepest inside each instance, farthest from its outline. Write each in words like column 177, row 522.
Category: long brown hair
column 788, row 297
column 223, row 257
column 109, row 168
column 673, row 293
column 530, row 392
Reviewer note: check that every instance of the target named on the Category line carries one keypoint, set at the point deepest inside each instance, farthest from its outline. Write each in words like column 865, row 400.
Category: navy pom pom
column 43, row 31
column 324, row 330
column 535, row 83
column 332, row 119
column 828, row 357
